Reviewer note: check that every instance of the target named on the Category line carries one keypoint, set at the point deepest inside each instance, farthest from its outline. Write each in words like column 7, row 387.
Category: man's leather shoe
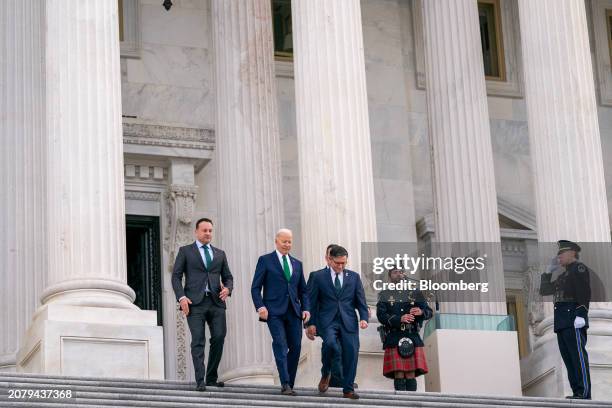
column 287, row 390
column 351, row 395
column 201, row 387
column 324, row 383
column 577, row 397
column 219, row 384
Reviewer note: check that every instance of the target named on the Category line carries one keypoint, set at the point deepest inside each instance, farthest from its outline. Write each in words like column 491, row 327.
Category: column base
column 94, row 342
column 473, row 362
column 263, row 374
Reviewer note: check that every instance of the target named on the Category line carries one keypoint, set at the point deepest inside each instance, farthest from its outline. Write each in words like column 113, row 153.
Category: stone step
column 139, row 393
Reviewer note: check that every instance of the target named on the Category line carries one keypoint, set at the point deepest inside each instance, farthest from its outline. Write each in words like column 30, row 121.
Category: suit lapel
column 345, row 281
column 216, row 256
column 277, row 263
column 198, row 254
column 294, row 267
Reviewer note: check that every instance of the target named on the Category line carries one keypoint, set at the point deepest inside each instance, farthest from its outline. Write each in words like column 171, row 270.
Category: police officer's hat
column 565, row 245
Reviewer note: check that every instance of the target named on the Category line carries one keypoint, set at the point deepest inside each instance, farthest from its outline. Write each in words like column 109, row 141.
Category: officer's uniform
column 391, row 306
column 572, row 294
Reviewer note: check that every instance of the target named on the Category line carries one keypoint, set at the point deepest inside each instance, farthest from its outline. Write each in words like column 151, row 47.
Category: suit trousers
column 342, row 342
column 206, row 312
column 286, row 331
column 331, row 363
column 572, row 345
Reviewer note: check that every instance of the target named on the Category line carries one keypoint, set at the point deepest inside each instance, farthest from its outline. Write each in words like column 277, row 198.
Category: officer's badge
column 581, row 268
column 391, row 300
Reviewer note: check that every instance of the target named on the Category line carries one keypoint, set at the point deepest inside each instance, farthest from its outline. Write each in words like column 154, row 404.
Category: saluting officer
column 401, row 314
column 572, row 294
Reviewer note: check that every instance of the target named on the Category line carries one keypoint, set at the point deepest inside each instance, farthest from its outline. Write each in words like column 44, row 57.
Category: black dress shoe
column 201, row 387
column 351, row 395
column 219, row 384
column 287, row 390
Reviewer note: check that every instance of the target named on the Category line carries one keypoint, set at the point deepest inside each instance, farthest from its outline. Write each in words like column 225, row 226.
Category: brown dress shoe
column 351, row 395
column 324, row 383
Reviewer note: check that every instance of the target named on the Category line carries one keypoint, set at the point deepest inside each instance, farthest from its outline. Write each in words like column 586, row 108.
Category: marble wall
column 173, row 82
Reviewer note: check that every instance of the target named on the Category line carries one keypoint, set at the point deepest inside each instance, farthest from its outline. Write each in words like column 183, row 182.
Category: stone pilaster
column 249, row 178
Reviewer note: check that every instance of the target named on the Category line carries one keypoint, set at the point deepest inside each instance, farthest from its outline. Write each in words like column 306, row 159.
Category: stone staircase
column 105, row 392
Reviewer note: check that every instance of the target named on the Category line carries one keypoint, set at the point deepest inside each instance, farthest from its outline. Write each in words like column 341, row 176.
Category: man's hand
column 224, row 293
column 263, row 313
column 416, row 311
column 407, row 318
column 579, row 322
column 305, row 316
column 311, row 332
column 185, row 302
column 363, row 324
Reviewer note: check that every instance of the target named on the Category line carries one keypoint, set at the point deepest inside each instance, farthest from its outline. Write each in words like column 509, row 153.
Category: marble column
column 333, row 131
column 570, row 193
column 22, row 170
column 249, row 177
column 86, row 215
column 87, row 324
column 465, row 199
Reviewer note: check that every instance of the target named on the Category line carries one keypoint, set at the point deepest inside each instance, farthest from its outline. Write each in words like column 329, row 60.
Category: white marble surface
column 97, row 342
column 23, row 170
column 248, row 170
column 335, row 158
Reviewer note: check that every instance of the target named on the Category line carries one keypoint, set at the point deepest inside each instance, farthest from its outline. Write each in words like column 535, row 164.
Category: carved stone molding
column 531, row 290
column 168, row 136
column 142, row 195
column 182, row 352
column 179, row 213
column 180, row 206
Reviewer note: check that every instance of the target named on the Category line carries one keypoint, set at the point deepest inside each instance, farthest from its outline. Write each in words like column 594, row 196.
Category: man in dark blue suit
column 334, row 296
column 284, row 305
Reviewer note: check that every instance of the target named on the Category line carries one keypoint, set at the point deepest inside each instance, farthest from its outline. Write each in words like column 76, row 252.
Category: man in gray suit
column 208, row 283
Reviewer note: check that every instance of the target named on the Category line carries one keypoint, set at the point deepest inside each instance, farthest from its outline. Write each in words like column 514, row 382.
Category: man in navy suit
column 284, row 305
column 208, row 283
column 334, row 296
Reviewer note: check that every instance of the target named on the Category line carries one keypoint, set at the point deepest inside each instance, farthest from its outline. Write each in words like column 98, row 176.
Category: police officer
column 401, row 314
column 572, row 294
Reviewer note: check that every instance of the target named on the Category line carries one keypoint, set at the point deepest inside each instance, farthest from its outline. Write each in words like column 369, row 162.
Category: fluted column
column 564, row 139
column 249, row 179
column 465, row 200
column 565, row 146
column 22, row 170
column 86, row 216
column 333, row 131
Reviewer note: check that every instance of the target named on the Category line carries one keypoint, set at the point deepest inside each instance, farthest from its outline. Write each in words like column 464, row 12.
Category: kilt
column 394, row 362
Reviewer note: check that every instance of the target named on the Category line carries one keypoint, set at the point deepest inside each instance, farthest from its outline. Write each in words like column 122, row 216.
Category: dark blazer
column 326, row 304
column 278, row 294
column 392, row 304
column 572, row 292
column 189, row 263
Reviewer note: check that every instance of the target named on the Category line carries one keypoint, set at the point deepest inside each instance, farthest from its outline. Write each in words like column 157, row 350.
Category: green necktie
column 286, row 268
column 207, row 256
column 337, row 284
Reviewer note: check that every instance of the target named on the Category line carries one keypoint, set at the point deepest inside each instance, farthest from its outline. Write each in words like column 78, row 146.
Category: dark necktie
column 337, row 284
column 207, row 256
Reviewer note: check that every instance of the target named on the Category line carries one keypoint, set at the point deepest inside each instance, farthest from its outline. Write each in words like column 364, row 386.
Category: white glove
column 579, row 322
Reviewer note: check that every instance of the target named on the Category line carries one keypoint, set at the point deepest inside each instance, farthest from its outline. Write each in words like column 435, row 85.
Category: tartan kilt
column 394, row 362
